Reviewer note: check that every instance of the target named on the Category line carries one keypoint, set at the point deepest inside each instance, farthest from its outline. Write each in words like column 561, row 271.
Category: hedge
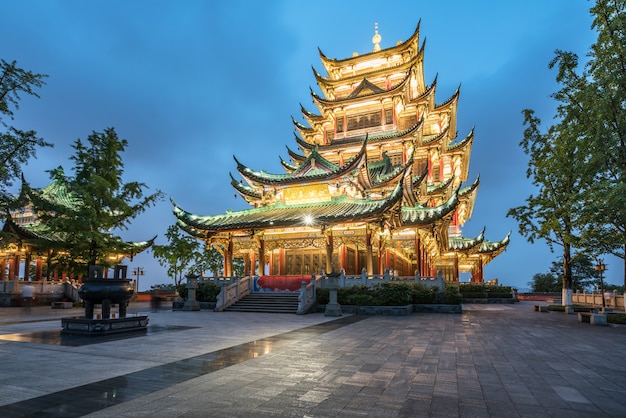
column 485, row 291
column 390, row 294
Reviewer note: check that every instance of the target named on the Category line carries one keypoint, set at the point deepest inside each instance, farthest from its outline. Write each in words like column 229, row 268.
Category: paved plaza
column 490, row 361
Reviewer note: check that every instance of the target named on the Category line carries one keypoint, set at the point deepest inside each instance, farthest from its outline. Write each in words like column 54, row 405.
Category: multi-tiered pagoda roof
column 378, row 172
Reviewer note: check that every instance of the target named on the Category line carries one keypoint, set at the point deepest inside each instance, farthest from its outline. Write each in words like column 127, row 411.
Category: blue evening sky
column 191, row 83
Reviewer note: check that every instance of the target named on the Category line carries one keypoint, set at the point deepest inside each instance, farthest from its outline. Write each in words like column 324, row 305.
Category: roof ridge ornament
column 376, row 38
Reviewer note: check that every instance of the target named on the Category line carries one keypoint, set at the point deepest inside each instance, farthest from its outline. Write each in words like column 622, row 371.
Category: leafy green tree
column 238, row 267
column 16, row 146
column 102, row 202
column 179, row 255
column 584, row 275
column 602, row 111
column 208, row 259
column 545, row 283
column 579, row 163
column 553, row 213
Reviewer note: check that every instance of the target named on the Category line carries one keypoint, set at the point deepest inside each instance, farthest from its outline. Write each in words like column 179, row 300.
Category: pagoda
column 377, row 181
column 27, row 240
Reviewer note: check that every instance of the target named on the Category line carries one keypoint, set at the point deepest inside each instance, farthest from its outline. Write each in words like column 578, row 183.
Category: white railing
column 42, row 287
column 220, row 280
column 232, row 292
column 611, row 299
column 389, row 276
column 307, row 296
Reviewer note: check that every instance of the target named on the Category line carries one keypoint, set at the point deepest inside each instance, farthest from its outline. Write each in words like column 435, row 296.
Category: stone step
column 267, row 302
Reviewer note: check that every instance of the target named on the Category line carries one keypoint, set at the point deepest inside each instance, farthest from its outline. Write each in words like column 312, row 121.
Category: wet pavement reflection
column 83, row 400
column 55, row 337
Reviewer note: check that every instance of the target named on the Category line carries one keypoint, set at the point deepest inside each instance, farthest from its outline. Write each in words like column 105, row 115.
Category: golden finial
column 376, row 38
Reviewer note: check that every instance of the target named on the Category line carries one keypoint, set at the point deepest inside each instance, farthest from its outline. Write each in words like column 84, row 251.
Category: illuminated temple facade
column 377, row 180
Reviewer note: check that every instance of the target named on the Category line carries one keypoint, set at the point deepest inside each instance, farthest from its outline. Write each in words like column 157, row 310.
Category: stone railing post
column 191, row 304
column 332, row 307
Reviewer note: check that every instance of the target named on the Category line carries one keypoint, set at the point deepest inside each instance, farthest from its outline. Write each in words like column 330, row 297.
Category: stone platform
column 79, row 325
column 490, row 361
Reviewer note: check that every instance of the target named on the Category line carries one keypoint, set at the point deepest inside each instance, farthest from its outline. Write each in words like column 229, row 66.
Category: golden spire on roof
column 376, row 38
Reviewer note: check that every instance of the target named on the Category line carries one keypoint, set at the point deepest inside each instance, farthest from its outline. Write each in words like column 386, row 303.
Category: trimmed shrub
column 482, row 291
column 361, row 300
column 344, row 293
column 393, row 294
column 474, row 295
column 452, row 295
column 206, row 291
column 424, row 294
column 385, row 294
column 323, row 295
column 616, row 318
column 498, row 292
column 472, row 290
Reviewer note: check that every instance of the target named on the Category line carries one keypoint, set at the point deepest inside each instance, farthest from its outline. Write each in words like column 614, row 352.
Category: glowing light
column 308, row 220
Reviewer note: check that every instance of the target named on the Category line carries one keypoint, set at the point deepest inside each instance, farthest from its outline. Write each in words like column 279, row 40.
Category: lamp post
column 600, row 266
column 137, row 271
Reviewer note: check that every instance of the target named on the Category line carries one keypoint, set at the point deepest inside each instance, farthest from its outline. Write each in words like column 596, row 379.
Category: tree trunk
column 566, row 293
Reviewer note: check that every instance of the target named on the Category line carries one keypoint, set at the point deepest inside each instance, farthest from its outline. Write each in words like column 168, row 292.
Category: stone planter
column 437, row 308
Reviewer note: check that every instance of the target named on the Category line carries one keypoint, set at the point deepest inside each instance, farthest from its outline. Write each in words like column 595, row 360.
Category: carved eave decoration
column 314, row 168
column 189, row 229
column 289, row 168
column 437, row 189
column 296, row 158
column 311, row 117
column 302, row 129
column 467, row 245
column 450, row 107
column 412, row 133
column 248, row 193
column 463, row 149
column 490, row 250
column 32, row 231
column 420, row 215
column 413, row 189
column 425, row 102
column 467, row 197
column 323, row 103
column 329, row 85
column 386, row 179
column 304, row 145
column 436, row 139
column 333, row 65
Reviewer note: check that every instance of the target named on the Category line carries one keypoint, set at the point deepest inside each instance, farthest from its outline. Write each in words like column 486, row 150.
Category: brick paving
column 490, row 361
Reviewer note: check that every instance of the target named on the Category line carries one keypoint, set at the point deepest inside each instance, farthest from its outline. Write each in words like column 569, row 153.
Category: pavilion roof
column 280, row 215
column 314, row 168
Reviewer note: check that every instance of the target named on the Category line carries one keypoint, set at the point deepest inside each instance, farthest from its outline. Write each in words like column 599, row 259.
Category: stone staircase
column 270, row 302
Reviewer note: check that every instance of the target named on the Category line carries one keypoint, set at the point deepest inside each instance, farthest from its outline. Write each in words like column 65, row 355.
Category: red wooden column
column 387, row 259
column 342, row 257
column 368, row 256
column 27, row 260
column 229, row 257
column 271, row 263
column 481, row 272
column 329, row 252
column 39, row 269
column 281, row 261
column 3, row 266
column 418, row 253
column 11, row 268
column 261, row 267
column 248, row 262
